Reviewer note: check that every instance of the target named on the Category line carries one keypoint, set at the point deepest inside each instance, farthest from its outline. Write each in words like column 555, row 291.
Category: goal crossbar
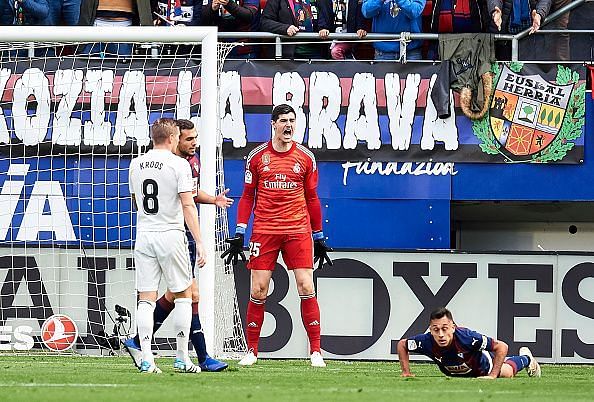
column 181, row 34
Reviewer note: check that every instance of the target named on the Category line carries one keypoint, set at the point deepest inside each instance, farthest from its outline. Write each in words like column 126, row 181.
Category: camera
column 122, row 311
column 111, row 341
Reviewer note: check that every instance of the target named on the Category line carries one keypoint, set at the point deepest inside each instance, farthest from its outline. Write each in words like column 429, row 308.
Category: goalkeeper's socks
column 310, row 314
column 197, row 335
column 518, row 362
column 144, row 322
column 255, row 318
column 182, row 315
column 162, row 310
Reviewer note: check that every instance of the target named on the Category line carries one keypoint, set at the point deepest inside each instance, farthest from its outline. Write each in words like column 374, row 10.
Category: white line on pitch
column 36, row 384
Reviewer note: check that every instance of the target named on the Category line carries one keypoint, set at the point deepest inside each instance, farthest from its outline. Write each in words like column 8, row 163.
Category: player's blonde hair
column 162, row 129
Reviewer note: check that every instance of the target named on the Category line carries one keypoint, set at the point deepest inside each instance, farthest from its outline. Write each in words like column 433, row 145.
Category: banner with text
column 368, row 300
column 345, row 111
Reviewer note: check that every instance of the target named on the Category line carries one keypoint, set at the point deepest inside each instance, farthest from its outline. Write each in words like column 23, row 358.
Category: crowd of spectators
column 291, row 17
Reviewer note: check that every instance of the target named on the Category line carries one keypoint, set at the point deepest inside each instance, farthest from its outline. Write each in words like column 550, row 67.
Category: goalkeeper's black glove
column 235, row 249
column 321, row 250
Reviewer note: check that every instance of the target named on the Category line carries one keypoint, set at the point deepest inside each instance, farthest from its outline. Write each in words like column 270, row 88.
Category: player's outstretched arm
column 500, row 351
column 220, row 200
column 403, row 358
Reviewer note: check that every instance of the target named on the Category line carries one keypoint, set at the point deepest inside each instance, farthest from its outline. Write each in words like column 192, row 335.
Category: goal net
column 72, row 116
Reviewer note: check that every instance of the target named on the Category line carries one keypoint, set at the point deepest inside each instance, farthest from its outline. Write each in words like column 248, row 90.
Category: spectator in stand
column 25, row 12
column 234, row 16
column 39, row 12
column 453, row 16
column 177, row 12
column 352, row 21
column 457, row 16
column 288, row 17
column 395, row 16
column 513, row 16
column 558, row 44
column 114, row 13
column 67, row 11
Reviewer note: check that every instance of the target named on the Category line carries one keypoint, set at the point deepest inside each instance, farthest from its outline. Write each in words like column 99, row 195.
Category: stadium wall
column 368, row 300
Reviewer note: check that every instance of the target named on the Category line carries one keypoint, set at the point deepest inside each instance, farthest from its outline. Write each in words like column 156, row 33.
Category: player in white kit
column 161, row 187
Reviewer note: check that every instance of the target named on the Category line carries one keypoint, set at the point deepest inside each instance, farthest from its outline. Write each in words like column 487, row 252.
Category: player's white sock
column 182, row 316
column 144, row 322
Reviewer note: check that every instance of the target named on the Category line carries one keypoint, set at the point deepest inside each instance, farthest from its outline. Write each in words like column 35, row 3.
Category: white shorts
column 162, row 253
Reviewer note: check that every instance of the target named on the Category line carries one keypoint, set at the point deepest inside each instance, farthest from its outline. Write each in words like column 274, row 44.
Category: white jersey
column 156, row 179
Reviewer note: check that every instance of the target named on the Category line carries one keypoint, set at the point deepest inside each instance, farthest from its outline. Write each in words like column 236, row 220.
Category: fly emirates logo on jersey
column 280, row 183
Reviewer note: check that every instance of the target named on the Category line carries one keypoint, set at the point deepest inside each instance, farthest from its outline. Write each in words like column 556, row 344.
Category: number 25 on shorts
column 255, row 249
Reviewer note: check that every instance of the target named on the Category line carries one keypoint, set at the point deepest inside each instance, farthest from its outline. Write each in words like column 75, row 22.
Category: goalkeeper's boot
column 185, row 367
column 134, row 351
column 210, row 364
column 533, row 368
column 248, row 360
column 317, row 360
column 148, row 367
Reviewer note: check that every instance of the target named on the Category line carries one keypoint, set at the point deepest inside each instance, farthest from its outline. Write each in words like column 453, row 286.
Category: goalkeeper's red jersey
column 280, row 181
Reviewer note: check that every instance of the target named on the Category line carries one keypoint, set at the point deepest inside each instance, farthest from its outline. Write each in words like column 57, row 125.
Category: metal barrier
column 403, row 38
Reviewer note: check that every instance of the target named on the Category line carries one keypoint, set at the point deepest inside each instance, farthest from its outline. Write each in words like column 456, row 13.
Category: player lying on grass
column 461, row 352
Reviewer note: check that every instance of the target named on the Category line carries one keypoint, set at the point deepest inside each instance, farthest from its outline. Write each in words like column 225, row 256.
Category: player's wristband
column 240, row 229
column 318, row 235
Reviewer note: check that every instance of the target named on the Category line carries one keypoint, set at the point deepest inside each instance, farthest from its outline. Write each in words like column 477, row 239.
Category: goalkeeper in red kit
column 281, row 179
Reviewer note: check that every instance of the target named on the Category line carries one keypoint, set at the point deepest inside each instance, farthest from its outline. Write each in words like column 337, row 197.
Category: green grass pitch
column 80, row 378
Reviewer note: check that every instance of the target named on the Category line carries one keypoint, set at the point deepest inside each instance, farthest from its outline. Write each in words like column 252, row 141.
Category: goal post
column 69, row 126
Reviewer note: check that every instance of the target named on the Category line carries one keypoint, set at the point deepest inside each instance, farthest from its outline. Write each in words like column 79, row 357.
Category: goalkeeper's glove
column 321, row 250
column 235, row 249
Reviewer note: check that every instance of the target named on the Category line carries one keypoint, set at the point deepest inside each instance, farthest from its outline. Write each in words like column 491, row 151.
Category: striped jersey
column 280, row 180
column 467, row 356
column 194, row 162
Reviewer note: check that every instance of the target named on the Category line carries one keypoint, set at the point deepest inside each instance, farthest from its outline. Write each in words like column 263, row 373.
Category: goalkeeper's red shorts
column 297, row 249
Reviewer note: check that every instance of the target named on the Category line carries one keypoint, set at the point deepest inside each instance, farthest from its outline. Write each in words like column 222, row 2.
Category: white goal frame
column 207, row 37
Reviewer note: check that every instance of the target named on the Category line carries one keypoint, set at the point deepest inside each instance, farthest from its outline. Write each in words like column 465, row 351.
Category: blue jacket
column 407, row 20
column 36, row 12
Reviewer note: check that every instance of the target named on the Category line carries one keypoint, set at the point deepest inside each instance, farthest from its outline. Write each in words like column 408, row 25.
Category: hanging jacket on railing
column 465, row 67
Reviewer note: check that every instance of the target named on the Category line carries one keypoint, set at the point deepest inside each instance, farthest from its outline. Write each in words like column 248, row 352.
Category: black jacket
column 355, row 19
column 278, row 16
column 542, row 7
column 88, row 12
